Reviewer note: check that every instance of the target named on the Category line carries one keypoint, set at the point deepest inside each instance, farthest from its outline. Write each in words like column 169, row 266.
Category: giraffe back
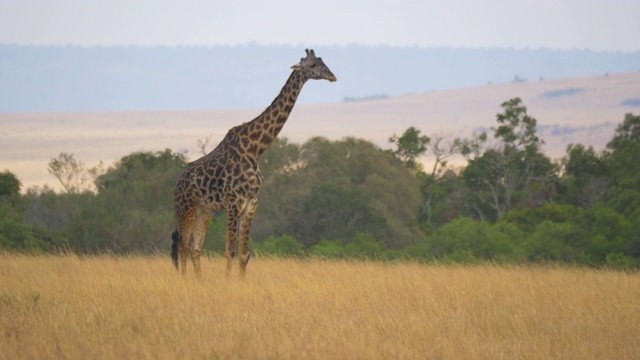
column 223, row 177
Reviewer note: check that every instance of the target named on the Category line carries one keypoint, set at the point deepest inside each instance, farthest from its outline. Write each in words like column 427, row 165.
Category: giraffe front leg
column 232, row 235
column 245, row 231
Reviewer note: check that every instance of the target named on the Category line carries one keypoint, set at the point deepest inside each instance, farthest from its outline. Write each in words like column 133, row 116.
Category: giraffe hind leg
column 186, row 232
column 199, row 231
column 195, row 258
column 183, row 257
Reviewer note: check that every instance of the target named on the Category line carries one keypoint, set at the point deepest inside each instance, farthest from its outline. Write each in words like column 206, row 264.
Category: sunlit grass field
column 140, row 307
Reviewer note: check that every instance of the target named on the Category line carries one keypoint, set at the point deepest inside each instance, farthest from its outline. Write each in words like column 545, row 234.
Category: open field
column 139, row 307
column 578, row 110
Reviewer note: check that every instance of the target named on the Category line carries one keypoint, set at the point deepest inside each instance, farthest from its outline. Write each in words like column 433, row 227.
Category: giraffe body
column 228, row 178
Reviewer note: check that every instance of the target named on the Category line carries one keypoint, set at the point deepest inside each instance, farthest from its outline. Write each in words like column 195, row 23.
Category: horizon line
column 301, row 45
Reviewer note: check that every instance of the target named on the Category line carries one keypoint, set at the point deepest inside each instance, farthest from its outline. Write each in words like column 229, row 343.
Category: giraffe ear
column 297, row 67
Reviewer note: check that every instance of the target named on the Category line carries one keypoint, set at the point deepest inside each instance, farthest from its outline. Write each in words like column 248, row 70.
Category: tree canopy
column 350, row 198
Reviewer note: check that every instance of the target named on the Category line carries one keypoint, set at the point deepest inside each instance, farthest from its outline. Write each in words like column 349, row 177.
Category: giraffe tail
column 175, row 236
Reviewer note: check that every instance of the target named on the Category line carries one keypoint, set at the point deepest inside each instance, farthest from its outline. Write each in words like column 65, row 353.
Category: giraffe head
column 314, row 68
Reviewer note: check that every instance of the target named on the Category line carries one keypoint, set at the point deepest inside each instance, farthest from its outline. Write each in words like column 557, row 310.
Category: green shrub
column 365, row 245
column 328, row 249
column 284, row 245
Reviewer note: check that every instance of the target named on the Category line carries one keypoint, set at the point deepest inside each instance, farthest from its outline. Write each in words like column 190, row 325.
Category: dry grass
column 138, row 307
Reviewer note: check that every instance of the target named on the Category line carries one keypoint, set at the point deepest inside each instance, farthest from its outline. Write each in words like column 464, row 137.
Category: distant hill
column 581, row 110
column 47, row 78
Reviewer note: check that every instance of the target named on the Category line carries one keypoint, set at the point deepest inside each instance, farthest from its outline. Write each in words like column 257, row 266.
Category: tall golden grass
column 139, row 307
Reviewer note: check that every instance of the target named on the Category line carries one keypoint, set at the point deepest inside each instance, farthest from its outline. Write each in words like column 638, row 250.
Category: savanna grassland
column 139, row 307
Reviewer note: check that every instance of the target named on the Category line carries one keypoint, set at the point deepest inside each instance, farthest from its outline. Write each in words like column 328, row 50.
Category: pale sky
column 610, row 25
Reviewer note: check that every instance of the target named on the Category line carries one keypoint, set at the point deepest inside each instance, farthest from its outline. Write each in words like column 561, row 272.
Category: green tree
column 585, row 175
column 71, row 173
column 410, row 146
column 10, row 197
column 15, row 233
column 627, row 133
column 484, row 177
column 133, row 208
column 50, row 213
column 431, row 179
column 450, row 199
column 516, row 171
column 528, row 218
column 334, row 211
column 624, row 167
column 9, row 185
column 607, row 231
column 281, row 157
column 517, row 129
column 338, row 189
column 554, row 242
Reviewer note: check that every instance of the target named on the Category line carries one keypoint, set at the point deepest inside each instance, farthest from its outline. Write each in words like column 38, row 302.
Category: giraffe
column 228, row 178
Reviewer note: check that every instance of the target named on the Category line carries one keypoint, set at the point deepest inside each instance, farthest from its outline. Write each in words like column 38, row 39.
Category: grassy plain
column 139, row 307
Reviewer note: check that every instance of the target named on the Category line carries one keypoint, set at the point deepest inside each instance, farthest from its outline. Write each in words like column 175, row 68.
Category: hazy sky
column 557, row 24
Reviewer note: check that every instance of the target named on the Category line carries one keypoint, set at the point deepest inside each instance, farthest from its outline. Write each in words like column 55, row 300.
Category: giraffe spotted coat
column 228, row 178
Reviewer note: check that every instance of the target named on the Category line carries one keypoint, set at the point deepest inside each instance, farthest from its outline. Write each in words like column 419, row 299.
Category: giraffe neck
column 263, row 130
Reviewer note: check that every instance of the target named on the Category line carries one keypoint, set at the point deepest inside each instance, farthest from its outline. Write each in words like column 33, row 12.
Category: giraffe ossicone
column 228, row 178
